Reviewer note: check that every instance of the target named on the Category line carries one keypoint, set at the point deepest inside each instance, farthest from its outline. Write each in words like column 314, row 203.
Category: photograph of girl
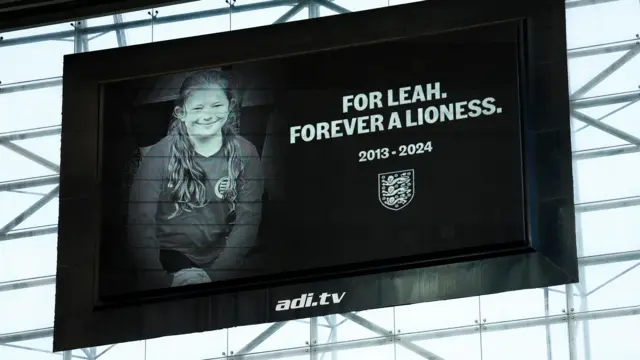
column 195, row 201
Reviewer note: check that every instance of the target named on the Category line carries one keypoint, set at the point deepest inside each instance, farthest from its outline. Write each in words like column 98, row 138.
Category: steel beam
column 104, row 351
column 606, row 128
column 313, row 338
column 87, row 353
column 249, row 7
column 291, row 13
column 30, row 232
column 67, row 355
column 603, row 152
column 600, row 49
column 586, row 326
column 52, row 12
column 80, row 37
column 120, row 34
column 29, row 183
column 605, row 116
column 447, row 333
column 262, row 337
column 30, row 134
column 147, row 22
column 608, row 204
column 30, row 85
column 571, row 330
column 604, row 74
column 29, row 211
column 596, row 260
column 412, row 337
column 605, row 100
column 333, row 335
column 31, row 156
column 26, row 335
column 334, row 347
column 547, row 327
column 376, row 329
column 28, row 283
column 331, row 6
column 626, row 271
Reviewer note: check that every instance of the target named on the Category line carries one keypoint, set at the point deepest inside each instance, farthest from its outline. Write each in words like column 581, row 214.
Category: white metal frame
column 81, row 36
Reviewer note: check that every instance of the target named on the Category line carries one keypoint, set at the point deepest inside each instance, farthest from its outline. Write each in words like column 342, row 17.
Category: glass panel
column 39, row 349
column 455, row 344
column 30, row 109
column 287, row 335
column 619, row 19
column 437, row 315
column 42, row 345
column 79, row 353
column 625, row 116
column 607, row 286
column 620, row 116
column 47, row 147
column 607, row 335
column 260, row 16
column 360, row 5
column 526, row 339
column 607, row 178
column 198, row 346
column 523, row 304
column 24, row 57
column 358, row 325
column 188, row 19
column 28, row 258
column 27, row 309
column 20, row 202
column 302, row 15
column 289, row 354
column 582, row 70
column 135, row 29
column 323, row 11
column 400, row 2
column 132, row 350
column 370, row 349
column 21, row 168
column 610, row 231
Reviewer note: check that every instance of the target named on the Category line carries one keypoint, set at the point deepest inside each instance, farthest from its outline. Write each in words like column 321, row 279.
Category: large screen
column 359, row 156
column 383, row 158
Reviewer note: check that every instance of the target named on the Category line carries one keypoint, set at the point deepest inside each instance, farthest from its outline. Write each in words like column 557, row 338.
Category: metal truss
column 81, row 35
column 382, row 336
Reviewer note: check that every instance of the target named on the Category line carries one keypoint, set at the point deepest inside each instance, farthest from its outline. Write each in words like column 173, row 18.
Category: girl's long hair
column 186, row 179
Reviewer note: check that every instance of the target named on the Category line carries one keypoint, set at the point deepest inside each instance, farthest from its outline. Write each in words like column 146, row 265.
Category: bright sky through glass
column 514, row 324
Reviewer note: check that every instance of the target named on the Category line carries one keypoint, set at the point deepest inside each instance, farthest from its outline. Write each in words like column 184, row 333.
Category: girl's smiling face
column 205, row 111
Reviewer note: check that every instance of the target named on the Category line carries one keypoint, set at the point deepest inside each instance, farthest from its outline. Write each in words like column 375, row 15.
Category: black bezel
column 82, row 320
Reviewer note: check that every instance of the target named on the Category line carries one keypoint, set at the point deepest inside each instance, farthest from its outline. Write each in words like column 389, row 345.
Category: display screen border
column 548, row 259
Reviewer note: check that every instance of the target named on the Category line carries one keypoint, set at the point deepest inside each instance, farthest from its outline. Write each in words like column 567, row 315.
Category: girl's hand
column 190, row 276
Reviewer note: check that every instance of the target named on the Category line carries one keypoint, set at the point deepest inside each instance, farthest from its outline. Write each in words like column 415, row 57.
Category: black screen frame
column 549, row 259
